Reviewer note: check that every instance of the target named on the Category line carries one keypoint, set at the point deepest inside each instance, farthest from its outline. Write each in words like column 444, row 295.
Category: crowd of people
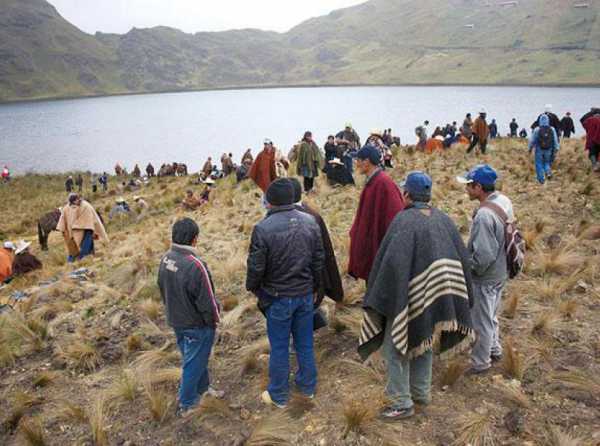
column 426, row 289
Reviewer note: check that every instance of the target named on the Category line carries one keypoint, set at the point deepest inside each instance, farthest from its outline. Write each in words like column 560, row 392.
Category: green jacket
column 310, row 160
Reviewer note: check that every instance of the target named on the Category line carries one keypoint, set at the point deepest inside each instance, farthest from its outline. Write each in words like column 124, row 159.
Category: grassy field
column 93, row 362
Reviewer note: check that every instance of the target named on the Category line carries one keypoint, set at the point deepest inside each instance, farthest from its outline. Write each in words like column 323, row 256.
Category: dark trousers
column 195, row 346
column 309, row 183
column 474, row 142
column 594, row 152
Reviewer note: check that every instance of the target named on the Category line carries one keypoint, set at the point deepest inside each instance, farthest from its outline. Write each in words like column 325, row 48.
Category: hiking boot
column 218, row 394
column 496, row 358
column 266, row 398
column 393, row 413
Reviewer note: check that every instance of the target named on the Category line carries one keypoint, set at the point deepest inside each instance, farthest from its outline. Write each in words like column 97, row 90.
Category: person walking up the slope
column 591, row 124
column 544, row 141
column 192, row 310
column 380, row 201
column 488, row 263
column 418, row 296
column 285, row 262
column 481, row 131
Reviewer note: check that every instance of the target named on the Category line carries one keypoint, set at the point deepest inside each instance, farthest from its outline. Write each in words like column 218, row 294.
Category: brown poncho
column 263, row 171
column 75, row 220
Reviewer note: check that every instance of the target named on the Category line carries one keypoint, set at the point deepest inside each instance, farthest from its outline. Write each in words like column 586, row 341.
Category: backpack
column 514, row 242
column 546, row 138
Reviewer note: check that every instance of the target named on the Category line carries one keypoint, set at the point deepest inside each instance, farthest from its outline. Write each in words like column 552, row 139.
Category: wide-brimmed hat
column 120, row 200
column 376, row 132
column 209, row 180
column 22, row 246
column 337, row 162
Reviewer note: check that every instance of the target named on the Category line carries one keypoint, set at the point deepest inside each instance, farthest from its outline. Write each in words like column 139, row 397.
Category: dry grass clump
column 512, row 361
column 167, row 375
column 362, row 372
column 70, row 411
column 97, row 421
column 21, row 403
column 348, row 319
column 357, row 416
column 32, row 432
column 43, row 379
column 542, row 326
column 82, row 355
column 568, row 308
column 125, row 386
column 230, row 302
column 556, row 437
column 210, row 408
column 476, row 430
column 151, row 309
column 276, row 430
column 511, row 306
column 151, row 359
column 134, row 343
column 513, row 392
column 159, row 401
column 453, row 372
column 557, row 261
column 580, row 380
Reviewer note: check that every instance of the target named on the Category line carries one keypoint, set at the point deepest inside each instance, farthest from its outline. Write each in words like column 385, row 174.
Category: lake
column 93, row 134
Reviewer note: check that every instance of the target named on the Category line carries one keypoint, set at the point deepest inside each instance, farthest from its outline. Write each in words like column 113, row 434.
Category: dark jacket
column 554, row 122
column 187, row 289
column 286, row 254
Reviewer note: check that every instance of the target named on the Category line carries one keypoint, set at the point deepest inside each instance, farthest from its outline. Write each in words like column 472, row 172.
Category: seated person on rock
column 24, row 261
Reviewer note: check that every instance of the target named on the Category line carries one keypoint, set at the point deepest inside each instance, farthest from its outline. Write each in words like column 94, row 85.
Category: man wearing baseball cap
column 380, row 201
column 419, row 290
column 488, row 262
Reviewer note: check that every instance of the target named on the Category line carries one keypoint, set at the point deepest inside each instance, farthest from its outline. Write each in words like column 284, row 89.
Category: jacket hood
column 544, row 121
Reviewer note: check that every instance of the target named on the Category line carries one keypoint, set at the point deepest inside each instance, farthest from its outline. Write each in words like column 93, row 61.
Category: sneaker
column 266, row 398
column 218, row 394
column 393, row 413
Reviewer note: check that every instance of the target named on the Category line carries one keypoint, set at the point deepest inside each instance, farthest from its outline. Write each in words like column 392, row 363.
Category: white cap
column 268, row 141
column 9, row 245
column 482, row 111
column 209, row 180
column 336, row 161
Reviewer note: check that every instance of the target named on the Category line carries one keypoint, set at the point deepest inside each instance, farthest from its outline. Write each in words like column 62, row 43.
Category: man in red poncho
column 263, row 171
column 591, row 124
column 380, row 201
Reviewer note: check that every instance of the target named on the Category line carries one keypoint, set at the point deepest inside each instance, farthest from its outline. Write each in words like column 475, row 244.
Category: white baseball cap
column 9, row 245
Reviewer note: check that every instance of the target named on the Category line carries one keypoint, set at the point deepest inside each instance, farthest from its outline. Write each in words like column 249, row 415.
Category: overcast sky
column 119, row 16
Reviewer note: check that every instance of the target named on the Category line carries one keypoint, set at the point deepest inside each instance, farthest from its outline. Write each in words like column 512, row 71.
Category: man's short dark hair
column 185, row 231
column 419, row 198
column 487, row 188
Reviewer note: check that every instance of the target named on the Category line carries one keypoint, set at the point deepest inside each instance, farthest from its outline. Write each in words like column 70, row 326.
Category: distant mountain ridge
column 378, row 42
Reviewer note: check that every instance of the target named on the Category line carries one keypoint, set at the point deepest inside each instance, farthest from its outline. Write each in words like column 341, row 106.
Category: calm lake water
column 94, row 134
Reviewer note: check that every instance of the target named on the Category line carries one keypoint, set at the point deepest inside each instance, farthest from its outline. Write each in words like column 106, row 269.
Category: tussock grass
column 556, row 437
column 453, row 372
column 97, row 421
column 349, row 318
column 557, row 261
column 543, row 324
column 363, row 372
column 578, row 379
column 276, row 430
column 476, row 429
column 151, row 309
column 169, row 375
column 512, row 361
column 513, row 393
column 357, row 414
column 151, row 359
column 134, row 343
column 43, row 379
column 568, row 308
column 72, row 412
column 82, row 355
column 511, row 306
column 159, row 402
column 125, row 387
column 32, row 432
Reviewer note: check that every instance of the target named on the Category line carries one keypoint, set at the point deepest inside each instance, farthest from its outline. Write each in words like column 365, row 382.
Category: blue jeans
column 543, row 160
column 86, row 248
column 408, row 380
column 291, row 316
column 195, row 345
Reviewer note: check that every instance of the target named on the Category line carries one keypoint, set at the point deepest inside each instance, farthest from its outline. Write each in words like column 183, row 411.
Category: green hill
column 378, row 42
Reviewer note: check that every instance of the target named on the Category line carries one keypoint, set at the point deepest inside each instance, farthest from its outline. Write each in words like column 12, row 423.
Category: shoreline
column 293, row 86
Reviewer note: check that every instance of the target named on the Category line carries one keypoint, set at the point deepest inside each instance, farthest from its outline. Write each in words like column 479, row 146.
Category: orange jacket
column 481, row 129
column 6, row 261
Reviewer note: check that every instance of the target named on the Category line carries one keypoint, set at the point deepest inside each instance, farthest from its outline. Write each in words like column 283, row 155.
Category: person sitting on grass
column 120, row 208
column 191, row 202
column 192, row 310
column 7, row 255
column 24, row 262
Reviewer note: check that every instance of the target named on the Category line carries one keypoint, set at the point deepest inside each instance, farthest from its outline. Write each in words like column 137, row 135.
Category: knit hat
column 280, row 192
column 369, row 153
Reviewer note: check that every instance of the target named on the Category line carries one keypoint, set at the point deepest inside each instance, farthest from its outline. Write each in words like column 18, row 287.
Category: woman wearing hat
column 337, row 173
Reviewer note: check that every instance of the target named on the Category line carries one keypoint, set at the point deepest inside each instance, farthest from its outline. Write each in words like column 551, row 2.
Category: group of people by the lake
column 425, row 287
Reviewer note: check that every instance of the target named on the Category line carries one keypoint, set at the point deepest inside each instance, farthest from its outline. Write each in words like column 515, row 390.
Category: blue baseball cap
column 418, row 184
column 482, row 174
column 369, row 153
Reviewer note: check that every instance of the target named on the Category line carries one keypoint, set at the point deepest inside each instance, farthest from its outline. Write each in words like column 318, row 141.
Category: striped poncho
column 420, row 283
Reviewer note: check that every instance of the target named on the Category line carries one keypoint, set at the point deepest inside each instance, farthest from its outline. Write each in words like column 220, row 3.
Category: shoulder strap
column 496, row 209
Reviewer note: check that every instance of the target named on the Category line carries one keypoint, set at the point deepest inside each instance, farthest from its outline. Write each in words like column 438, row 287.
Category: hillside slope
column 378, row 42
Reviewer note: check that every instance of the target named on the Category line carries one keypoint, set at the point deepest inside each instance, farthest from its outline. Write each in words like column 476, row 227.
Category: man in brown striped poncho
column 418, row 298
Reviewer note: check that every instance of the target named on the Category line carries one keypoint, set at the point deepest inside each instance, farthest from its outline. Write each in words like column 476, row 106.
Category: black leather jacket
column 286, row 254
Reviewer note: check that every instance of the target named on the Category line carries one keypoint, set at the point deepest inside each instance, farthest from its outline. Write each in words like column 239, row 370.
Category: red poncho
column 592, row 128
column 380, row 201
column 263, row 171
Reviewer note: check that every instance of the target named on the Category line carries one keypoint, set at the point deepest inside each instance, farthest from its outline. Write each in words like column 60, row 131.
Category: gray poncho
column 420, row 283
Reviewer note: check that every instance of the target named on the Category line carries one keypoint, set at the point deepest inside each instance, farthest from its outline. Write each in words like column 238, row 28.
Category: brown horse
column 46, row 224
